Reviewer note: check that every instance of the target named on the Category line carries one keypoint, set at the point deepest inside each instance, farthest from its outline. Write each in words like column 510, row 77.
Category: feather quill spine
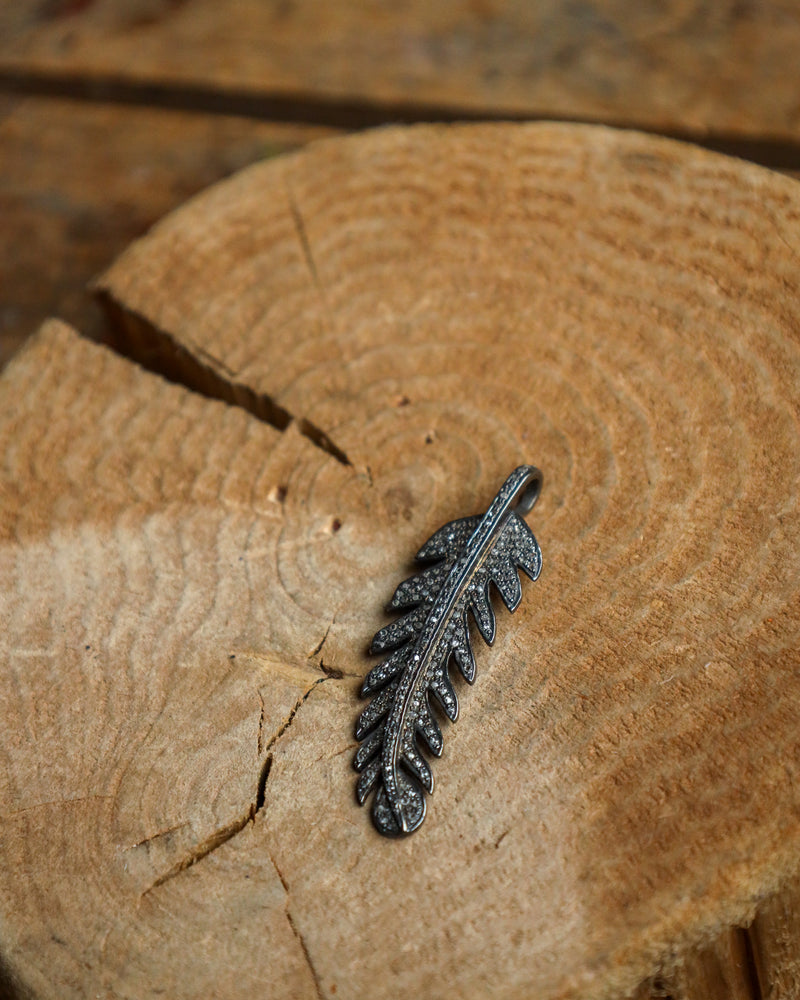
column 438, row 636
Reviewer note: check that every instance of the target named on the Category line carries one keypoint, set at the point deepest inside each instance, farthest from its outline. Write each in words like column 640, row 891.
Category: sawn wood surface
column 191, row 575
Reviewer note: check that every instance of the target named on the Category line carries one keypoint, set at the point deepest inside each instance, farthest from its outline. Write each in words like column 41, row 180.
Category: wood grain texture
column 78, row 182
column 719, row 970
column 690, row 67
column 775, row 935
column 142, row 693
column 442, row 304
column 757, row 962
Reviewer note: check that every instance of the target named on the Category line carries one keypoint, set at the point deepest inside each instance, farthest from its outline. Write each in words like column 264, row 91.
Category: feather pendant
column 464, row 558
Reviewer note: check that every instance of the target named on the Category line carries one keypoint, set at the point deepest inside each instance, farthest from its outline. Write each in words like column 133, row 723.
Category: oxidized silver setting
column 466, row 556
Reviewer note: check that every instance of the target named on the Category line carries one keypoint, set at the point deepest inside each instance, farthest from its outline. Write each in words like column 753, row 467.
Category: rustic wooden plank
column 78, row 182
column 727, row 68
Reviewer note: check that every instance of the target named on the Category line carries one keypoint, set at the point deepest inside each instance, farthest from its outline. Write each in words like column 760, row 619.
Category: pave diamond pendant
column 463, row 558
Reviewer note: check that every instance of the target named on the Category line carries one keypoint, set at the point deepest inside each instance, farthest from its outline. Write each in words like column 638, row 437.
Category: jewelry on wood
column 466, row 556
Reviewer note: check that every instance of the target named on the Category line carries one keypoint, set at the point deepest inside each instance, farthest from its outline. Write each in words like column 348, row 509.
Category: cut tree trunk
column 370, row 334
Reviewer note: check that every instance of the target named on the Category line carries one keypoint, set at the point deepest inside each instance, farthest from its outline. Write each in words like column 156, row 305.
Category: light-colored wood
column 144, row 683
column 79, row 181
column 729, row 67
column 442, row 304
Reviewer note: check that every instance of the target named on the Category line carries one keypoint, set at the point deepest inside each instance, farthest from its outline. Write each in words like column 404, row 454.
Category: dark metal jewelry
column 467, row 556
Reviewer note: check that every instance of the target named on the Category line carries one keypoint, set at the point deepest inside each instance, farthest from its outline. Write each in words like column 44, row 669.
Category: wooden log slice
column 395, row 321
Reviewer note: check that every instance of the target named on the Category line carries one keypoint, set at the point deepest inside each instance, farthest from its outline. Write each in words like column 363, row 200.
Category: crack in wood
column 157, row 836
column 295, row 930
column 750, row 963
column 291, row 716
column 318, row 648
column 279, row 873
column 334, row 672
column 302, row 236
column 259, row 741
column 326, row 668
column 133, row 336
column 225, row 833
column 206, row 847
column 305, row 951
column 306, row 428
column 261, row 789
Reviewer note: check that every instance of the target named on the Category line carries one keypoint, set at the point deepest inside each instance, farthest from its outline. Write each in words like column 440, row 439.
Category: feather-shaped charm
column 465, row 557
